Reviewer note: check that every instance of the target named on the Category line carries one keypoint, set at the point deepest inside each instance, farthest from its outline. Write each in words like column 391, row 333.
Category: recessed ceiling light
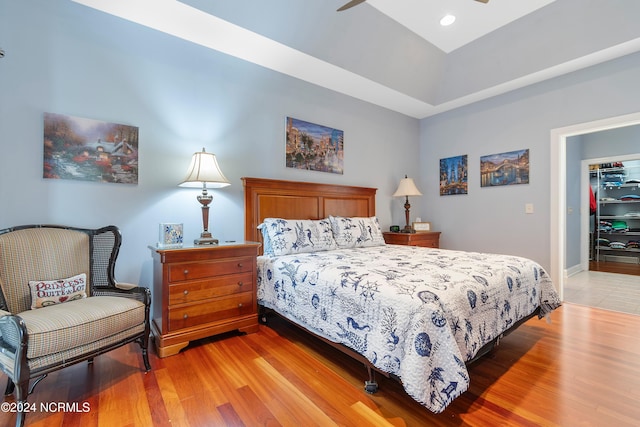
column 447, row 20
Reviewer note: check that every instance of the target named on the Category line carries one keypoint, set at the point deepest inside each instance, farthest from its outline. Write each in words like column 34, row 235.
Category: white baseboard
column 573, row 270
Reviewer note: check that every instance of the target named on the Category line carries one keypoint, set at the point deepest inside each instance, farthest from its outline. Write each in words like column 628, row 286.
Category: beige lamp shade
column 407, row 188
column 204, row 169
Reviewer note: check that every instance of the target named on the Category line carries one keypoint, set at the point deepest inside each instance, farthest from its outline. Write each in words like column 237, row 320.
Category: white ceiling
column 473, row 19
column 535, row 50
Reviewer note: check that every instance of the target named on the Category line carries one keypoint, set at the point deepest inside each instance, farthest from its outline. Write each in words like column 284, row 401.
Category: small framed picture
column 171, row 235
column 421, row 227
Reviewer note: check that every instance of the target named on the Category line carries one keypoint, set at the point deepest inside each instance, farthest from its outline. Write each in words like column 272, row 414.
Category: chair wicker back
column 26, row 255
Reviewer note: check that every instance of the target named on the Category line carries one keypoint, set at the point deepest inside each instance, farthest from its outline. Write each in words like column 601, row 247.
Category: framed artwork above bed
column 314, row 147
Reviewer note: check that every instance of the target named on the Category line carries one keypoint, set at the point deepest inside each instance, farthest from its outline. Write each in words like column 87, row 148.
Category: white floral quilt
column 417, row 313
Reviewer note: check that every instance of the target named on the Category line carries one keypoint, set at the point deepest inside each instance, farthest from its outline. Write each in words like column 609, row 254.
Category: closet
column 616, row 218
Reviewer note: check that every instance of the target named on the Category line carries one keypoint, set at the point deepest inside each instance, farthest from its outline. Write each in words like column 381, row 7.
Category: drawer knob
column 186, row 272
column 240, row 305
column 239, row 265
column 186, row 292
column 184, row 316
column 240, row 284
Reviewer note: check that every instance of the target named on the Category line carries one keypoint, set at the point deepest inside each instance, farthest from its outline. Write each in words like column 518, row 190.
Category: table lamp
column 204, row 170
column 407, row 188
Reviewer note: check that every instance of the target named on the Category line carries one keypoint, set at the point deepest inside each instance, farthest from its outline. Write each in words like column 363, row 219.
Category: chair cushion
column 61, row 327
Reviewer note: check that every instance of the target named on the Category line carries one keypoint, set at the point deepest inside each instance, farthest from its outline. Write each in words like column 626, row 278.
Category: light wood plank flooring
column 603, row 287
column 583, row 369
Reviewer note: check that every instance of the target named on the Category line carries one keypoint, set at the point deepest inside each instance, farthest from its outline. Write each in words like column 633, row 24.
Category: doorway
column 558, row 202
column 558, row 175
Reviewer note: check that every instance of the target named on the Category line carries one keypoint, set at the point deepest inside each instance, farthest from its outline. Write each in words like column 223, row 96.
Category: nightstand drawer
column 211, row 311
column 197, row 290
column 425, row 243
column 198, row 270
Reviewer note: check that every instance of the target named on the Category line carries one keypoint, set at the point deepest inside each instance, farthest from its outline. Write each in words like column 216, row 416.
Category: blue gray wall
column 493, row 219
column 65, row 58
column 62, row 57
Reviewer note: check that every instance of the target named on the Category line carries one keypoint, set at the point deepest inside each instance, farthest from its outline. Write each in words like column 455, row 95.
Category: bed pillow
column 266, row 241
column 292, row 236
column 356, row 232
column 50, row 292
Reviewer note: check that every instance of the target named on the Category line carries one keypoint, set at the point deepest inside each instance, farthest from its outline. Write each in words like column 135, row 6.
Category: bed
column 420, row 315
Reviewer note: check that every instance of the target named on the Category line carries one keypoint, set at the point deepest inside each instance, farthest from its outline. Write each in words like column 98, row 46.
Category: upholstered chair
column 60, row 303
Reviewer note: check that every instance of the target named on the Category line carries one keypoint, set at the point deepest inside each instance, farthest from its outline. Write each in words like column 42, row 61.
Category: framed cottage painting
column 89, row 150
column 453, row 175
column 314, row 147
column 505, row 168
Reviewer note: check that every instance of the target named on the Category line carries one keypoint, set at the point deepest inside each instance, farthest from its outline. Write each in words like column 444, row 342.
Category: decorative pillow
column 356, row 232
column 292, row 236
column 50, row 292
column 266, row 241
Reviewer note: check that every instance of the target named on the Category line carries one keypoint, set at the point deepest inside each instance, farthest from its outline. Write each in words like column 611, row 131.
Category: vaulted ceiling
column 394, row 53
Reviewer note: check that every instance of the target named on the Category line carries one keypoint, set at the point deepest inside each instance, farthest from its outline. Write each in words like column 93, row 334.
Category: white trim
column 572, row 271
column 558, row 179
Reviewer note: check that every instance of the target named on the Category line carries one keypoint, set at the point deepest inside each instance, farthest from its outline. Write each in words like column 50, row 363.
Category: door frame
column 558, row 187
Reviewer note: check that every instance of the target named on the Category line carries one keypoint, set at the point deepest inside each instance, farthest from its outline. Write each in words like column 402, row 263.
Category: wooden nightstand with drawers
column 427, row 239
column 202, row 291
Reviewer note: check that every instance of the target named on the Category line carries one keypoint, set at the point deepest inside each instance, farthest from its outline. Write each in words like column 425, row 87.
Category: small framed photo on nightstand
column 421, row 227
column 171, row 235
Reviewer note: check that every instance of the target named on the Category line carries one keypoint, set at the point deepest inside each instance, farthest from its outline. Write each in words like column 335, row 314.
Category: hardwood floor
column 581, row 369
column 615, row 267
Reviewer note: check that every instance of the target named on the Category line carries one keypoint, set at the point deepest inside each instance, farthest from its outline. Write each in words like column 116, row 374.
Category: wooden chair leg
column 144, row 344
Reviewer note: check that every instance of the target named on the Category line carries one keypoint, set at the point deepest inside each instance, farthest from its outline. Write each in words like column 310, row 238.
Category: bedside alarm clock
column 394, row 228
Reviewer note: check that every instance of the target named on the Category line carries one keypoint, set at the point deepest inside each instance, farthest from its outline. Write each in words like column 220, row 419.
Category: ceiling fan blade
column 351, row 4
column 483, row 1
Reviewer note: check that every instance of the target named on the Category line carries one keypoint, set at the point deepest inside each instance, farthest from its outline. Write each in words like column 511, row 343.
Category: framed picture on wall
column 505, row 168
column 453, row 175
column 89, row 150
column 314, row 147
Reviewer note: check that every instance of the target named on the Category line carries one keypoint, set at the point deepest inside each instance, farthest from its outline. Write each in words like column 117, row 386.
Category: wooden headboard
column 270, row 198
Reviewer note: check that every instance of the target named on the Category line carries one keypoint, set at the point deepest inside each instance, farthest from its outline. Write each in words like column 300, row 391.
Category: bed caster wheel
column 370, row 387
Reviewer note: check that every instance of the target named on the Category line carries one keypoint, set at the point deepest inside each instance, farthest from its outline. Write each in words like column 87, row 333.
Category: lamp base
column 205, row 241
column 408, row 229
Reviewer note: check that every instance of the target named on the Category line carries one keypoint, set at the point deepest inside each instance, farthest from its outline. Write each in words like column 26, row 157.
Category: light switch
column 528, row 208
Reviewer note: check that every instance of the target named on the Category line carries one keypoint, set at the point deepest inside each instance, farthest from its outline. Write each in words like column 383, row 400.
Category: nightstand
column 427, row 239
column 201, row 291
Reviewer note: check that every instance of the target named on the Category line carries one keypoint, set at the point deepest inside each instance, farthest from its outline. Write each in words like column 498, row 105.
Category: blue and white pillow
column 356, row 232
column 266, row 241
column 293, row 236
